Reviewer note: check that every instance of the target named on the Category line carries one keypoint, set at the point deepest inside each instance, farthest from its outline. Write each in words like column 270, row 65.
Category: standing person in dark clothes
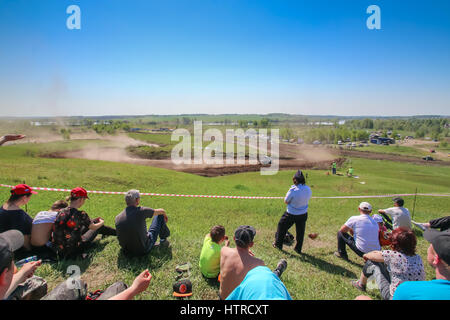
column 74, row 231
column 297, row 200
column 134, row 238
column 13, row 217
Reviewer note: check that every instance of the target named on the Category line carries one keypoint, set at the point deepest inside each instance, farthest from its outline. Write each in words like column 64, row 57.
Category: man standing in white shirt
column 360, row 233
column 400, row 216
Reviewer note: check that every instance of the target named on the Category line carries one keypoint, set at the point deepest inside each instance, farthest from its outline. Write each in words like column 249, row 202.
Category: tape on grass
column 238, row 197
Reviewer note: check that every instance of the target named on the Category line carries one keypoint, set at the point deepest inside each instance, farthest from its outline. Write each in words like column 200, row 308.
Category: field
column 316, row 275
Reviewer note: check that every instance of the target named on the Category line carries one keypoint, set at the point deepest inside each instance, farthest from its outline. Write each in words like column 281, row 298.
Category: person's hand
column 100, row 222
column 142, row 281
column 251, row 253
column 28, row 269
column 163, row 213
column 12, row 137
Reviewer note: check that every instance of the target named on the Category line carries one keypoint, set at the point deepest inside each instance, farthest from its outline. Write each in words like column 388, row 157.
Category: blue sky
column 224, row 56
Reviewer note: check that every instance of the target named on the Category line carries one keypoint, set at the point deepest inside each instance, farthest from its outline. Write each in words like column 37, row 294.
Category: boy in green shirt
column 210, row 256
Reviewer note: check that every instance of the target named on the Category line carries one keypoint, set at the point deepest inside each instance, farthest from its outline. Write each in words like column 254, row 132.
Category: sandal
column 358, row 285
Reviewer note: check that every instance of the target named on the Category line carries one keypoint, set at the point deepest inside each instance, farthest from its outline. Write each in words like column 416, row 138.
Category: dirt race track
column 292, row 157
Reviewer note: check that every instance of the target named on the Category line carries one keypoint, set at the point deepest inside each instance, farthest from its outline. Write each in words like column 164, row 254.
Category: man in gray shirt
column 131, row 227
column 400, row 216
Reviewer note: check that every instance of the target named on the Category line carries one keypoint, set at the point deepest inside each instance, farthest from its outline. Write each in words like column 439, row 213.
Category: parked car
column 428, row 158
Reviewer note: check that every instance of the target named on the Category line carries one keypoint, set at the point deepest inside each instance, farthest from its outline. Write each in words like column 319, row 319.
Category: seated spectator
column 235, row 264
column 10, row 278
column 12, row 217
column 400, row 216
column 73, row 230
column 134, row 238
column 10, row 137
column 439, row 223
column 360, row 233
column 42, row 228
column 392, row 267
column 11, row 240
column 210, row 256
column 383, row 234
column 438, row 257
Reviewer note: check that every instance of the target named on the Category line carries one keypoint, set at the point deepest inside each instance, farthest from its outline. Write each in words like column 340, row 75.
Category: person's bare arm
column 27, row 242
column 98, row 225
column 162, row 212
column 140, row 284
column 345, row 229
column 27, row 271
column 375, row 256
column 10, row 137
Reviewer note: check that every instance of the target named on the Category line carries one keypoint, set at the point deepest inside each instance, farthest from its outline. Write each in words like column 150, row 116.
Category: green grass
column 316, row 275
column 395, row 149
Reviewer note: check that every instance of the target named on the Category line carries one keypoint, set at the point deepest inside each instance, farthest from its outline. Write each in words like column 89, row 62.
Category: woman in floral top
column 392, row 267
column 73, row 230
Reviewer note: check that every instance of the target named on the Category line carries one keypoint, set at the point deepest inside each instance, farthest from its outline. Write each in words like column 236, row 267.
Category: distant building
column 381, row 140
column 46, row 123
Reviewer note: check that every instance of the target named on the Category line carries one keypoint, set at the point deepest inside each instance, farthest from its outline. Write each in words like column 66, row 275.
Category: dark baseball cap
column 10, row 241
column 298, row 174
column 244, row 235
column 182, row 288
column 440, row 241
column 398, row 201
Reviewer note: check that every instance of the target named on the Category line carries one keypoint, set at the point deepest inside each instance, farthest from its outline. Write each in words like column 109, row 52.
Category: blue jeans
column 157, row 228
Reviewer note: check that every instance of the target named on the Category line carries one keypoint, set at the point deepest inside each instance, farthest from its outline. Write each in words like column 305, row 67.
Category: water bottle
column 26, row 260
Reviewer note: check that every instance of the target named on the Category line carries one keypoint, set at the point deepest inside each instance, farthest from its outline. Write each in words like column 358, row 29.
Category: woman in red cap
column 74, row 231
column 13, row 217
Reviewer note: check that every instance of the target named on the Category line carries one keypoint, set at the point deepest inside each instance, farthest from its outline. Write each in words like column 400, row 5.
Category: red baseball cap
column 22, row 189
column 79, row 192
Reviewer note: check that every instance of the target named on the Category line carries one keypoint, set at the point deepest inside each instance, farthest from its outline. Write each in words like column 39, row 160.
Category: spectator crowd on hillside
column 385, row 243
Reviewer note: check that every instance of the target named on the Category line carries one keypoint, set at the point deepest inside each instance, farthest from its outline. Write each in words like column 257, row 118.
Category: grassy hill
column 315, row 275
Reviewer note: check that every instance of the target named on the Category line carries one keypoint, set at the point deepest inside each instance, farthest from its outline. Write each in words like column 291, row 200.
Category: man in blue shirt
column 297, row 200
column 438, row 256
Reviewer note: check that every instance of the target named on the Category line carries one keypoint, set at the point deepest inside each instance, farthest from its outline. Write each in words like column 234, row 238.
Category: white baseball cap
column 365, row 206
